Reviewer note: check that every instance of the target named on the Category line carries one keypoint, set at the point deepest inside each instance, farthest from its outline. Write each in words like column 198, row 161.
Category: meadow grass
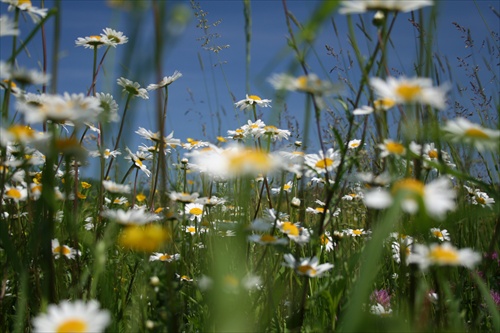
column 376, row 210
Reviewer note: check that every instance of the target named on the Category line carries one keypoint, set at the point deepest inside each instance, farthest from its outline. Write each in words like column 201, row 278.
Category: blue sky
column 192, row 106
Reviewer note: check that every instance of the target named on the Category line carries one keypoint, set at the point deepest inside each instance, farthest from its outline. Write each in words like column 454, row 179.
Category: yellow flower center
column 395, row 148
column 476, row 133
column 320, row 209
column 254, row 158
column 86, row 185
column 354, row 144
column 445, row 256
column 437, row 233
column 286, row 187
column 72, row 326
column 408, row 92
column 107, row 152
column 20, row 131
column 191, row 229
column 357, row 232
column 307, row 269
column 81, row 196
column 221, row 139
column 13, row 193
column 481, row 200
column 409, row 185
column 324, row 240
column 143, row 238
column 384, row 103
column 290, row 229
column 196, row 211
column 324, row 163
column 185, row 278
column 302, row 81
column 140, row 197
column 255, row 98
column 433, row 154
column 64, row 250
column 267, row 238
column 37, row 188
column 165, row 257
column 271, row 129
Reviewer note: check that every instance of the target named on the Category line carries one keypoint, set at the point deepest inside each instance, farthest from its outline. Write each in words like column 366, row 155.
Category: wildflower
column 64, row 250
column 183, row 197
column 286, row 188
column 306, row 266
column 462, row 130
column 326, row 242
column 133, row 88
column 8, row 27
column 275, row 133
column 25, row 5
column 443, row 254
column 353, row 144
column 402, row 246
column 390, row 147
column 267, row 239
column 363, row 110
column 130, row 217
column 106, row 155
column 437, row 197
column 194, row 144
column 252, row 100
column 379, row 310
column 191, row 229
column 109, row 107
column 295, row 202
column 113, row 187
column 195, row 211
column 255, row 129
column 210, row 202
column 158, row 256
column 90, row 42
column 137, row 159
column 147, row 238
column 482, row 199
column 310, row 83
column 166, row 81
column 381, row 297
column 184, row 278
column 355, row 232
column 76, row 316
column 431, row 154
column 17, row 193
column 410, row 90
column 362, row 6
column 441, row 234
column 322, row 163
column 24, row 76
column 112, row 37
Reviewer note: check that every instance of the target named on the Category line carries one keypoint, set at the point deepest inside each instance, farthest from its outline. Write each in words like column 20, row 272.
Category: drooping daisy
column 166, row 81
column 411, row 90
column 443, row 254
column 132, row 216
column 113, row 38
column 59, row 250
column 137, row 159
column 462, row 130
column 441, row 234
column 321, row 163
column 158, row 256
column 390, row 147
column 438, row 197
column 251, row 101
column 306, row 266
column 133, row 88
column 34, row 13
column 362, row 6
column 75, row 316
column 194, row 210
column 109, row 107
column 8, row 26
column 326, row 242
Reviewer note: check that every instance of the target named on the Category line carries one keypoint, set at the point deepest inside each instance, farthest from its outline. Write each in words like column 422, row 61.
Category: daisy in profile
column 437, row 197
column 137, row 216
column 59, row 250
column 133, row 88
column 321, row 163
column 137, row 160
column 194, row 210
column 362, row 6
column 166, row 81
column 306, row 266
column 462, row 130
column 75, row 316
column 310, row 83
column 410, row 90
column 443, row 254
column 267, row 239
column 251, row 101
column 326, row 242
column 441, row 234
column 90, row 42
column 113, row 187
column 355, row 232
column 113, row 38
column 34, row 13
column 184, row 197
column 158, row 256
column 109, row 107
column 275, row 133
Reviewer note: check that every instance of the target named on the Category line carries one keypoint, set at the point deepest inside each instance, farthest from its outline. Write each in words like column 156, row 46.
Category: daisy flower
column 137, row 159
column 106, row 155
column 363, row 110
column 195, row 211
column 441, row 234
column 166, row 81
column 402, row 246
column 410, row 90
column 286, row 188
column 24, row 76
column 184, row 197
column 437, row 197
column 34, row 13
column 113, row 187
column 267, row 239
column 16, row 193
column 443, row 254
column 8, row 26
column 354, row 144
column 362, row 6
column 109, row 107
column 59, row 250
column 251, row 101
column 310, row 83
column 482, row 199
column 194, row 144
column 90, row 42
column 191, row 229
column 275, row 133
column 132, row 216
column 255, row 129
column 158, row 256
column 112, row 37
column 306, row 266
column 326, row 242
column 321, row 163
column 76, row 316
column 462, row 130
column 431, row 154
column 379, row 310
column 355, row 232
column 132, row 88
column 390, row 147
